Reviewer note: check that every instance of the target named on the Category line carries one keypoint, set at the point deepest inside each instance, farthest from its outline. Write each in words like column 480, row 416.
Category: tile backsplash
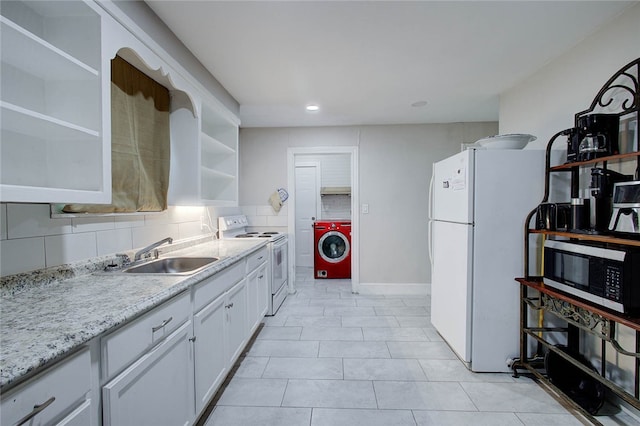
column 336, row 207
column 30, row 239
column 265, row 218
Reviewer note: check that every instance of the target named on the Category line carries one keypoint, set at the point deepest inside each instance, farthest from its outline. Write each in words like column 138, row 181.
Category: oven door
column 278, row 264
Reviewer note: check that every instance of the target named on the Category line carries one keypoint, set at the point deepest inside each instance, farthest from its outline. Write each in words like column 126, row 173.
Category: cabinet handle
column 230, row 305
column 36, row 409
column 165, row 322
column 192, row 339
column 261, row 257
column 261, row 277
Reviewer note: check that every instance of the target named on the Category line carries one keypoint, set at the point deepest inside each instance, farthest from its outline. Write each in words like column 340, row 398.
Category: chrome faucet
column 146, row 252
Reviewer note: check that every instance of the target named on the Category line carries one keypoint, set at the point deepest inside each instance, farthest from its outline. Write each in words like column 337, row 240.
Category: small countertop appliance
column 626, row 208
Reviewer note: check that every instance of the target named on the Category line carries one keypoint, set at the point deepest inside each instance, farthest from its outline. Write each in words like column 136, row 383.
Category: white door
column 451, row 285
column 307, row 178
column 236, row 312
column 452, row 192
column 210, row 357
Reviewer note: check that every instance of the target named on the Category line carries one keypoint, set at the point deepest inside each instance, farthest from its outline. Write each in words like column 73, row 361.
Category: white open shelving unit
column 218, row 157
column 51, row 105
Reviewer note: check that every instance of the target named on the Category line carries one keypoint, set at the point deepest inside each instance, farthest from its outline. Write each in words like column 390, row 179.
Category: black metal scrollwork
column 576, row 315
column 621, row 94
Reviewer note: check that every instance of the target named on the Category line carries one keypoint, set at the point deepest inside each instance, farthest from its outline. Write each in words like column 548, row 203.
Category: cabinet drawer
column 123, row 346
column 66, row 385
column 255, row 259
column 207, row 290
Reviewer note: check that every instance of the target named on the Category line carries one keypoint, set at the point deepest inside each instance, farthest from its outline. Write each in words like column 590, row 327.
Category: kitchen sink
column 172, row 265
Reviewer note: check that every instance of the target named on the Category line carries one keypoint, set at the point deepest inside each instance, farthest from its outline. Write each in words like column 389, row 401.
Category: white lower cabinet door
column 209, row 347
column 257, row 296
column 236, row 312
column 252, row 300
column 264, row 292
column 157, row 389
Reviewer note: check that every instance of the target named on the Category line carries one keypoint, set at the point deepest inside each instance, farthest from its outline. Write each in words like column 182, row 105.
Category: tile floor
column 331, row 358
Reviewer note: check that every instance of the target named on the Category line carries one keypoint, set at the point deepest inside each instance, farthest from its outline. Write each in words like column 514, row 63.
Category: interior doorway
column 295, row 219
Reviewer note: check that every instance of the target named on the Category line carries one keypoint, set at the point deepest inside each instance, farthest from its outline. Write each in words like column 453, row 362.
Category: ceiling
column 367, row 62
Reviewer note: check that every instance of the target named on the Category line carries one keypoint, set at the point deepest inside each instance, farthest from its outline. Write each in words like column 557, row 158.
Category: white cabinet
column 156, row 386
column 60, row 395
column 55, row 143
column 257, row 288
column 257, row 297
column 163, row 367
column 205, row 162
column 264, row 291
column 220, row 329
column 157, row 389
column 210, row 360
column 236, row 321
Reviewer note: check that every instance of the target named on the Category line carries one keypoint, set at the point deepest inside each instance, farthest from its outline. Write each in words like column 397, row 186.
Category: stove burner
column 264, row 236
column 270, row 233
column 245, row 236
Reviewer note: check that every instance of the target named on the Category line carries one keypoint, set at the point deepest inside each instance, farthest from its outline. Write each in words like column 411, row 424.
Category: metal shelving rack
column 620, row 95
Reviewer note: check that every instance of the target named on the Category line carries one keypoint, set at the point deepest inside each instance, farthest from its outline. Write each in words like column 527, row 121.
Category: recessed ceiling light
column 312, row 108
column 419, row 104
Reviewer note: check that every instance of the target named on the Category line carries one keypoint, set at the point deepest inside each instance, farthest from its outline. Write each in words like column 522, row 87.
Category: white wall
column 546, row 103
column 395, row 168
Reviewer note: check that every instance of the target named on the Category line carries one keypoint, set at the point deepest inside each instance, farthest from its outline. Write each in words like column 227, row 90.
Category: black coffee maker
column 602, row 181
column 598, row 135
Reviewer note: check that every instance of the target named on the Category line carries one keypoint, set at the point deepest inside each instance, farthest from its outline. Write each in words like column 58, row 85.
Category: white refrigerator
column 479, row 202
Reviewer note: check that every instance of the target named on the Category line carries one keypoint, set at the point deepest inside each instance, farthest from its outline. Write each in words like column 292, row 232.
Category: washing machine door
column 333, row 247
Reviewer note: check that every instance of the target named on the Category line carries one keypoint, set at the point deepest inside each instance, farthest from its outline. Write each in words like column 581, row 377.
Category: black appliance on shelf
column 553, row 216
column 602, row 183
column 598, row 134
column 586, row 391
column 574, row 136
column 604, row 274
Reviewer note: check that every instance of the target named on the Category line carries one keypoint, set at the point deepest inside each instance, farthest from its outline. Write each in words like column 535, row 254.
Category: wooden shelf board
column 589, row 237
column 537, row 284
column 568, row 166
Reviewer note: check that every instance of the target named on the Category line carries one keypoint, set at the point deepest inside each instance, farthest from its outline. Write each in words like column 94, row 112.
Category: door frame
column 352, row 151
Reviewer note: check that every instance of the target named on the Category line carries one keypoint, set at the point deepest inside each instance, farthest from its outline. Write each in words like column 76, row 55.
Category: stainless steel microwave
column 608, row 276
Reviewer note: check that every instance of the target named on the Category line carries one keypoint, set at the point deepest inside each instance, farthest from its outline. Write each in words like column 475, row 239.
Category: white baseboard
column 401, row 289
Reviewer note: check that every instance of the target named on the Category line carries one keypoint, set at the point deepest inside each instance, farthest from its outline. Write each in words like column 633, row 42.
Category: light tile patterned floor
column 331, row 358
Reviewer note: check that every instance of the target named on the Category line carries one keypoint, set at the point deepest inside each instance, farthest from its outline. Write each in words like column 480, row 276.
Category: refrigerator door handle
column 430, row 210
column 430, row 241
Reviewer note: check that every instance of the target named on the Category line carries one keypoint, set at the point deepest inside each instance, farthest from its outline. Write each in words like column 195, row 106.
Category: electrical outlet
column 365, row 209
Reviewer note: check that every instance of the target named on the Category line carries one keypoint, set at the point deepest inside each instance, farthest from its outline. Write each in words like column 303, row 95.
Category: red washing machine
column 332, row 240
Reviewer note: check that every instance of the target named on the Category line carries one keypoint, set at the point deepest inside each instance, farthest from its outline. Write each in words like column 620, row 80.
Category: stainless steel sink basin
column 172, row 265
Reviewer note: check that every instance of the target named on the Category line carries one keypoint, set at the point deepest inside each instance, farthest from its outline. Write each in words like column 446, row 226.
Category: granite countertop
column 40, row 323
